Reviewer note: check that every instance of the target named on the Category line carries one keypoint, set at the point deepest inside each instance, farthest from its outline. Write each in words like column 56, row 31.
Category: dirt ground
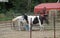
column 7, row 32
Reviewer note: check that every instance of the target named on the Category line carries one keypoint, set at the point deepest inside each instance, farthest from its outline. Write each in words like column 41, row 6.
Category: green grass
column 5, row 19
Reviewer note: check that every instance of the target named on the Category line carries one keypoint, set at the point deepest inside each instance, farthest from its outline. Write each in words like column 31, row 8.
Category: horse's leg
column 19, row 25
column 41, row 26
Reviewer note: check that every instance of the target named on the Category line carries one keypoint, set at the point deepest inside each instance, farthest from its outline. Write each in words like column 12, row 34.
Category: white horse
column 30, row 19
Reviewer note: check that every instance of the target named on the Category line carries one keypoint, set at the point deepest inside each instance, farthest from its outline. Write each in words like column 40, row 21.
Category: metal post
column 31, row 28
column 54, row 25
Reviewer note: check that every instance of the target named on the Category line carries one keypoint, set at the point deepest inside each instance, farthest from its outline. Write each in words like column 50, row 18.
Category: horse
column 30, row 19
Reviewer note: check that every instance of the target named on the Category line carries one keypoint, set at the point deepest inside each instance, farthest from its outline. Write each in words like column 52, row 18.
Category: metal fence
column 50, row 31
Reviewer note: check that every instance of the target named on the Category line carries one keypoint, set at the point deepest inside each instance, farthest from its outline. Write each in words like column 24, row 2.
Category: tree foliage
column 20, row 6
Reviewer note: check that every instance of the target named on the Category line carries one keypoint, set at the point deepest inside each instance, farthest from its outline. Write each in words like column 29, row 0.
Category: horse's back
column 32, row 17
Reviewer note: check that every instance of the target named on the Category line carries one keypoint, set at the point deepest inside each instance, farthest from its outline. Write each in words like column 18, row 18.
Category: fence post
column 31, row 28
column 54, row 25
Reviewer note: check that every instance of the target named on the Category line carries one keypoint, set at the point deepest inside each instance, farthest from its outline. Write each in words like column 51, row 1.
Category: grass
column 5, row 19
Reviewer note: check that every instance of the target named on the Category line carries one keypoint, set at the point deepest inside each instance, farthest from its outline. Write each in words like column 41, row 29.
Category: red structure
column 49, row 6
